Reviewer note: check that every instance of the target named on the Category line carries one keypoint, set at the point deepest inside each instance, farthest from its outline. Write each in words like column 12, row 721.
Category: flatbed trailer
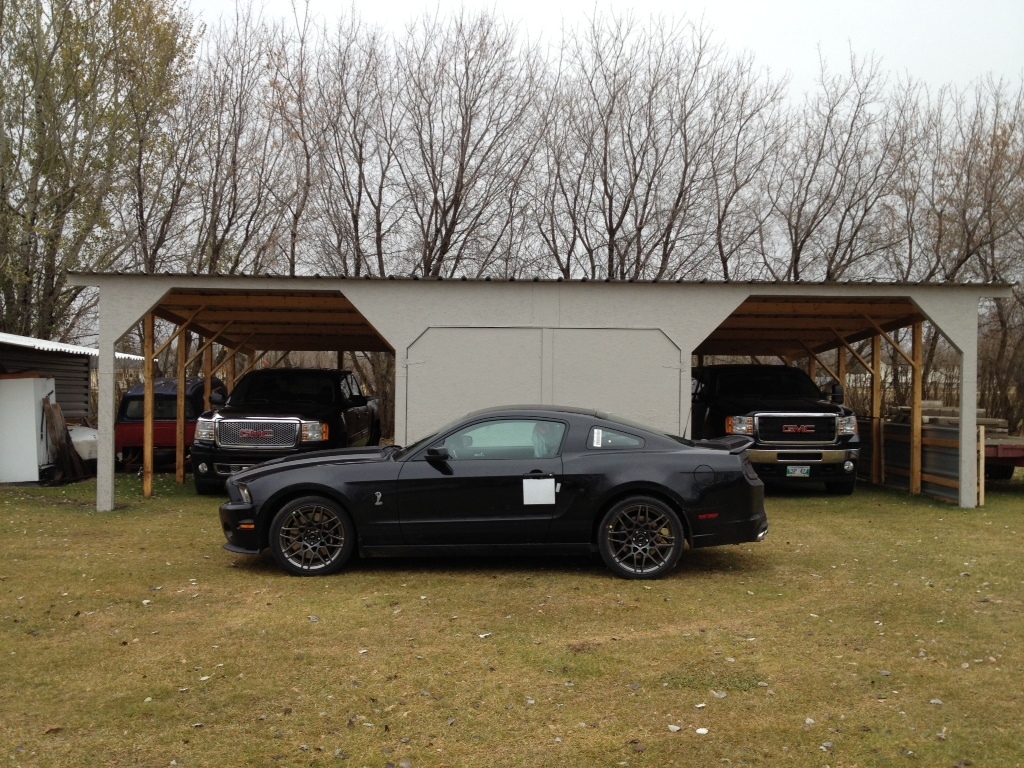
column 1003, row 454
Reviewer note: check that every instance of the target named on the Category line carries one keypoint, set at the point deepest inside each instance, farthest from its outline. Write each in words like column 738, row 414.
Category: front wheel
column 842, row 487
column 641, row 538
column 312, row 536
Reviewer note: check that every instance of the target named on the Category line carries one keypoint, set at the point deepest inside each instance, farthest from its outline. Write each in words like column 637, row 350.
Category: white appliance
column 25, row 443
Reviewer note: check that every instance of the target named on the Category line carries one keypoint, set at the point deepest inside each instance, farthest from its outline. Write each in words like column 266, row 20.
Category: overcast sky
column 937, row 41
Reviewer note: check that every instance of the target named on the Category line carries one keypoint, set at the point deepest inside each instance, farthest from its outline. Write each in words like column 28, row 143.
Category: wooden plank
column 148, row 403
column 179, row 442
column 877, row 436
column 256, row 301
column 823, row 307
column 917, row 351
column 945, row 482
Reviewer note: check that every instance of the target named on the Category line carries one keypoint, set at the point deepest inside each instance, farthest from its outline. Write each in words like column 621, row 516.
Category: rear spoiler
column 730, row 443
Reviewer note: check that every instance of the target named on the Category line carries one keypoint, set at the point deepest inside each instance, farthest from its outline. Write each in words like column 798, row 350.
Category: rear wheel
column 641, row 538
column 312, row 536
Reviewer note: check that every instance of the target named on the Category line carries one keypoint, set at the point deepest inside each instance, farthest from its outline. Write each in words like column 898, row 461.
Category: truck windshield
column 292, row 387
column 778, row 383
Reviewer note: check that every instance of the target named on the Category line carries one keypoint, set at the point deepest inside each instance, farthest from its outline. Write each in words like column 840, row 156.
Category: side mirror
column 838, row 396
column 216, row 399
column 357, row 401
column 437, row 454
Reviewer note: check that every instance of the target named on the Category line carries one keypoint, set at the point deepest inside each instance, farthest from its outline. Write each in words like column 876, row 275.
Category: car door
column 498, row 484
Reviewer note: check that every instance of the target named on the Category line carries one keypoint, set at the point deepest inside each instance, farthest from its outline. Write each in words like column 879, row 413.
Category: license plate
column 795, row 470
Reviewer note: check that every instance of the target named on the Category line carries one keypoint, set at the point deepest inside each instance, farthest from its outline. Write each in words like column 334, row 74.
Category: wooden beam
column 877, row 435
column 181, row 326
column 917, row 350
column 258, row 301
column 820, row 362
column 179, row 443
column 892, row 343
column 148, row 399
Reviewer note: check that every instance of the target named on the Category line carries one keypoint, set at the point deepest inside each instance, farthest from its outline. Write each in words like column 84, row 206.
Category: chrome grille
column 262, row 433
column 796, row 428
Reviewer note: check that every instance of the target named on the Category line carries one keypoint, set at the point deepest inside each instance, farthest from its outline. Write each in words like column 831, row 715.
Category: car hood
column 336, row 456
column 743, row 405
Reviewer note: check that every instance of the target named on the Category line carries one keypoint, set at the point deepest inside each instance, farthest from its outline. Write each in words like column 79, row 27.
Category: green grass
column 827, row 644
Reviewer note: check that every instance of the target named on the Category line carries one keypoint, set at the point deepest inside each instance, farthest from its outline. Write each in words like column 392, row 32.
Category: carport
column 624, row 347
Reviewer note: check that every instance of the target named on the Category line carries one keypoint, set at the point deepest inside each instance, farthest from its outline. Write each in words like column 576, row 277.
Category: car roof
column 535, row 409
column 167, row 386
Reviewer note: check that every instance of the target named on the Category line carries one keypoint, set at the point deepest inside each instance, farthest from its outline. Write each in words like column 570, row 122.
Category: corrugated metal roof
column 58, row 346
column 548, row 279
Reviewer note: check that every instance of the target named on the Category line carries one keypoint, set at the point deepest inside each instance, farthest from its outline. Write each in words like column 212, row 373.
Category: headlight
column 847, row 425
column 314, row 431
column 204, row 430
column 739, row 425
column 243, row 492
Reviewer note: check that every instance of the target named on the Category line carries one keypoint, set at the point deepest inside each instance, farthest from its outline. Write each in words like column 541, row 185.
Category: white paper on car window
column 598, row 437
column 539, row 490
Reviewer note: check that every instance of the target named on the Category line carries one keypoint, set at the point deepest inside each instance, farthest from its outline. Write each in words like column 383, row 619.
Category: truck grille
column 796, row 428
column 265, row 433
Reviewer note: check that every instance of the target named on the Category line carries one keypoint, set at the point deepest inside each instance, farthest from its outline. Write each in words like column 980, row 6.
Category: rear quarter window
column 602, row 438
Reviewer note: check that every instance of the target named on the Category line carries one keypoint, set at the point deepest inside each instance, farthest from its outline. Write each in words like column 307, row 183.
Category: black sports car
column 561, row 480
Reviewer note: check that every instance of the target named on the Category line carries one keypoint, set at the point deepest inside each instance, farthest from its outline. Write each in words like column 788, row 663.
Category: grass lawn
column 874, row 630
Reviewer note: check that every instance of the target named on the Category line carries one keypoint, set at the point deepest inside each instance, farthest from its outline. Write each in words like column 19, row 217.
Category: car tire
column 641, row 537
column 208, row 487
column 312, row 536
column 841, row 487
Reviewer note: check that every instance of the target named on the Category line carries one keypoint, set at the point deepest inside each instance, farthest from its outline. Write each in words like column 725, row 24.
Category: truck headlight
column 314, row 431
column 739, row 425
column 847, row 425
column 204, row 430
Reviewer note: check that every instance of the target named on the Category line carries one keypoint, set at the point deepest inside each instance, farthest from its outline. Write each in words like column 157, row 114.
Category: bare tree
column 828, row 182
column 467, row 96
column 238, row 225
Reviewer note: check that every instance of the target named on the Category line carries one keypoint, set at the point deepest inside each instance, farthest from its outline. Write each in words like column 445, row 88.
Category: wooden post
column 917, row 351
column 877, row 445
column 179, row 442
column 841, row 367
column 981, row 465
column 207, row 375
column 148, row 331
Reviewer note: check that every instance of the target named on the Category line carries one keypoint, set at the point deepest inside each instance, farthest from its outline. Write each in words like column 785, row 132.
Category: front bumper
column 805, row 464
column 238, row 520
column 217, row 463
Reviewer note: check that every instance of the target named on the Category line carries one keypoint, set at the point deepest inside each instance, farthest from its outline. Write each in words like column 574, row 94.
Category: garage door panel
column 456, row 370
column 631, row 372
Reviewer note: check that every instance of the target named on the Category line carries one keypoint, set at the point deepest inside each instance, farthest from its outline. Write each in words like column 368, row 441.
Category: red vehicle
column 129, row 425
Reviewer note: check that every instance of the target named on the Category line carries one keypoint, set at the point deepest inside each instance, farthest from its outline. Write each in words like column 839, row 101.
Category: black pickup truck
column 800, row 434
column 279, row 412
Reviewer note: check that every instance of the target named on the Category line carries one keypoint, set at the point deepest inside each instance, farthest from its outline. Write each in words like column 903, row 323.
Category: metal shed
column 618, row 346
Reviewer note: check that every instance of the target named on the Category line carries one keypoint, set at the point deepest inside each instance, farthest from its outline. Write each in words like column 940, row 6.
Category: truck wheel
column 208, row 487
column 842, row 487
column 640, row 538
column 375, row 435
column 999, row 471
column 312, row 536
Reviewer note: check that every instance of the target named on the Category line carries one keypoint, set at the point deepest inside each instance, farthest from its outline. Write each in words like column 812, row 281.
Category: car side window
column 602, row 438
column 506, row 439
column 346, row 391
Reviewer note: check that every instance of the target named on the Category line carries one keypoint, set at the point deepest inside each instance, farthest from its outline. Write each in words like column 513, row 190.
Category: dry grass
column 132, row 638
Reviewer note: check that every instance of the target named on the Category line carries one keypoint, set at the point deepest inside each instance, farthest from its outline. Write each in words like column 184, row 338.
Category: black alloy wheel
column 641, row 538
column 312, row 536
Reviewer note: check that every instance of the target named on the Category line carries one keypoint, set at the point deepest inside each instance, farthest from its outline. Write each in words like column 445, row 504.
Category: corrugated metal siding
column 940, row 460
column 69, row 372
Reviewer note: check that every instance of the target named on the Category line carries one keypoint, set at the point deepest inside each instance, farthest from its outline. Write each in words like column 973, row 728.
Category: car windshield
column 410, row 449
column 290, row 387
column 772, row 382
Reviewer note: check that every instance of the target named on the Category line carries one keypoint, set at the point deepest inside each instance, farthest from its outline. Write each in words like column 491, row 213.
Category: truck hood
column 336, row 456
column 743, row 405
column 307, row 411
